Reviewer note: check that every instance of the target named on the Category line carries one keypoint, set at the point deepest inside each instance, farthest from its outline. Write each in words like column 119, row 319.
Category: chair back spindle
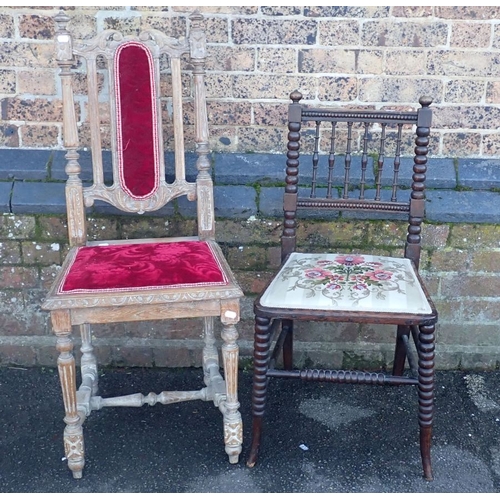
column 347, row 160
column 331, row 162
column 364, row 162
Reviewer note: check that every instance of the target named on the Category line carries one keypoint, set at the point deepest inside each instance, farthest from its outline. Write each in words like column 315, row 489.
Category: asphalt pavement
column 318, row 438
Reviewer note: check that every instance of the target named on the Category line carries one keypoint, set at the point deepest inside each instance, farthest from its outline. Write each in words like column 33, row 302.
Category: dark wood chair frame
column 279, row 322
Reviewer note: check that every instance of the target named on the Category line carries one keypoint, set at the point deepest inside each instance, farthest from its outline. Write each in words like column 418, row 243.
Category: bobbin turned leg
column 262, row 344
column 426, row 394
column 73, row 433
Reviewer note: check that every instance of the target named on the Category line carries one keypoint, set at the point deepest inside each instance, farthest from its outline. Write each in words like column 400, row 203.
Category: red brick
column 253, row 282
column 470, row 286
column 15, row 354
column 18, row 277
column 10, row 252
column 177, row 356
column 41, row 253
column 17, row 226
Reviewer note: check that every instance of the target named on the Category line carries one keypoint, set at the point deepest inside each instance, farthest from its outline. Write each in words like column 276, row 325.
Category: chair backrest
column 351, row 162
column 122, row 108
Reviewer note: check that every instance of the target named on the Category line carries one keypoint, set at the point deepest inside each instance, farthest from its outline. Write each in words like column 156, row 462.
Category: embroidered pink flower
column 380, row 275
column 333, row 286
column 349, row 260
column 317, row 273
column 360, row 286
column 324, row 262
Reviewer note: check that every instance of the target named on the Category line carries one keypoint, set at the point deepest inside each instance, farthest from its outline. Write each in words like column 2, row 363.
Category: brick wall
column 258, row 55
column 460, row 263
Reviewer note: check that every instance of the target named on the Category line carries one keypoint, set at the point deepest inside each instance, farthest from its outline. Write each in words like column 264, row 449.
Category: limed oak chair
column 141, row 279
column 350, row 287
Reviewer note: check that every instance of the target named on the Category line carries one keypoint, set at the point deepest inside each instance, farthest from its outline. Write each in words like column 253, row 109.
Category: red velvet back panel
column 137, row 139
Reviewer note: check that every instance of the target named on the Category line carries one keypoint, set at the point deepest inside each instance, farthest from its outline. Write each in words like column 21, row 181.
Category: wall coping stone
column 270, row 168
column 25, row 164
column 38, row 197
column 5, row 196
column 463, row 206
column 58, row 163
column 32, row 181
column 479, row 174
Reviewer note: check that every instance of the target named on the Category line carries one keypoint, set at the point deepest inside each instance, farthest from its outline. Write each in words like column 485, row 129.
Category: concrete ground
column 317, row 438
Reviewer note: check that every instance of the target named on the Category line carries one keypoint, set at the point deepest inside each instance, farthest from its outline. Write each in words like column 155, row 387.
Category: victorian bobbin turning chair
column 350, row 177
column 136, row 280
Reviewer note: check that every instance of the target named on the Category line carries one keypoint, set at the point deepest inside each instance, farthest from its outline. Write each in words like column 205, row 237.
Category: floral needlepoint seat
column 346, row 163
column 347, row 283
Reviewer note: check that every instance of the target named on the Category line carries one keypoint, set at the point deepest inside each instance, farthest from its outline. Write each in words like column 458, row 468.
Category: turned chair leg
column 90, row 377
column 426, row 394
column 262, row 345
column 287, row 325
column 400, row 351
column 73, row 432
column 233, row 425
column 210, row 354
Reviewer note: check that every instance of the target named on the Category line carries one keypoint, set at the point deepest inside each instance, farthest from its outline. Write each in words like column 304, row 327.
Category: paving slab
column 318, row 438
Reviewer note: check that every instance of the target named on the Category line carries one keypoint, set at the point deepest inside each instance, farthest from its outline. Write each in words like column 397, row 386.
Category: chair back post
column 204, row 183
column 77, row 231
column 289, row 235
column 417, row 197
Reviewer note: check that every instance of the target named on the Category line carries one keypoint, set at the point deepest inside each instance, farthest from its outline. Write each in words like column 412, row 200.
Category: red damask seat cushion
column 142, row 266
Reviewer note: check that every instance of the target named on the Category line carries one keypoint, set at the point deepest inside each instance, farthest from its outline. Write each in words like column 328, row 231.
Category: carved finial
column 195, row 18
column 61, row 20
column 64, row 43
column 425, row 101
column 295, row 96
column 197, row 39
